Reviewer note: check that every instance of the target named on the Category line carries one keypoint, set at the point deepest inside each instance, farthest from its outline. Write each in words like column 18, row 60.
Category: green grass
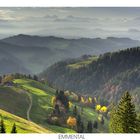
column 41, row 99
column 15, row 99
column 22, row 125
column 59, row 129
column 42, row 106
column 83, row 63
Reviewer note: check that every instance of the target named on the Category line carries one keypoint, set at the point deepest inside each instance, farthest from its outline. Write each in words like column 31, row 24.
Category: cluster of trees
column 81, row 126
column 9, row 77
column 3, row 128
column 29, row 76
column 61, row 106
column 123, row 117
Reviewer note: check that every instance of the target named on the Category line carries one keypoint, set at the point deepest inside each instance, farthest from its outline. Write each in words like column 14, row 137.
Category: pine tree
column 2, row 127
column 89, row 127
column 123, row 117
column 95, row 124
column 79, row 124
column 81, row 129
column 113, row 125
column 14, row 130
column 57, row 110
column 75, row 111
column 35, row 78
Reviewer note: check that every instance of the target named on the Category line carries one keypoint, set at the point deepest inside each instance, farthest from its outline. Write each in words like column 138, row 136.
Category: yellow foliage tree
column 7, row 78
column 90, row 100
column 95, row 100
column 100, row 117
column 82, row 99
column 98, row 107
column 53, row 100
column 71, row 121
column 70, row 104
column 103, row 109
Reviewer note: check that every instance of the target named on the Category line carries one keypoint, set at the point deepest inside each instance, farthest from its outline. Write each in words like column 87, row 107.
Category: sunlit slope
column 14, row 100
column 41, row 96
column 23, row 126
column 32, row 100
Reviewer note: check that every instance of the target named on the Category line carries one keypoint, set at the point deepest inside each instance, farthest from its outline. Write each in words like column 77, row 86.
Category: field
column 79, row 64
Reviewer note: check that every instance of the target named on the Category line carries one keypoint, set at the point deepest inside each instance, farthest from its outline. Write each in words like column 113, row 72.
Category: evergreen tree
column 79, row 124
column 57, row 110
column 35, row 78
column 0, row 79
column 63, row 98
column 123, row 118
column 89, row 127
column 2, row 127
column 14, row 130
column 75, row 111
column 95, row 124
column 102, row 120
column 81, row 128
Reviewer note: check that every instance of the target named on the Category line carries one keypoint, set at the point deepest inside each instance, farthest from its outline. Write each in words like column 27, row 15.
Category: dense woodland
column 107, row 76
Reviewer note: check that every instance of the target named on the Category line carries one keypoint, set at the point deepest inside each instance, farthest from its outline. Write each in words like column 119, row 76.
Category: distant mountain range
column 33, row 54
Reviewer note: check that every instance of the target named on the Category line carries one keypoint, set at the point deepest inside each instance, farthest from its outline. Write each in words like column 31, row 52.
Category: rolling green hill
column 32, row 100
column 22, row 125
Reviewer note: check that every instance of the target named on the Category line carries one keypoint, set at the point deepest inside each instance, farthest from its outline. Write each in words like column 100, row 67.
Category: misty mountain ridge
column 36, row 53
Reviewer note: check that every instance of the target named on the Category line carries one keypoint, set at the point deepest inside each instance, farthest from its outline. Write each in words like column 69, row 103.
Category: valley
column 61, row 89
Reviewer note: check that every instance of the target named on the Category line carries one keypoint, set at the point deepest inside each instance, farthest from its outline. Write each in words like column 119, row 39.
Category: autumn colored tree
column 70, row 104
column 98, row 107
column 82, row 100
column 103, row 109
column 71, row 121
column 7, row 78
column 53, row 100
column 90, row 100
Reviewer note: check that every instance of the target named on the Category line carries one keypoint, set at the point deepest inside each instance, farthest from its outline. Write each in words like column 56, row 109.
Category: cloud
column 134, row 31
column 71, row 18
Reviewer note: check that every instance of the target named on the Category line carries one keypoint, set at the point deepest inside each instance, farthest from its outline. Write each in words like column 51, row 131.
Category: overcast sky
column 71, row 22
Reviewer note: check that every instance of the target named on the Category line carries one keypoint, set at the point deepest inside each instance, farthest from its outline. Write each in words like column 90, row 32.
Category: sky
column 71, row 22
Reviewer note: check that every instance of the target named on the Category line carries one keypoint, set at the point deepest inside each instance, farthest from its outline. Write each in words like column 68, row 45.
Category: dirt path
column 29, row 108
